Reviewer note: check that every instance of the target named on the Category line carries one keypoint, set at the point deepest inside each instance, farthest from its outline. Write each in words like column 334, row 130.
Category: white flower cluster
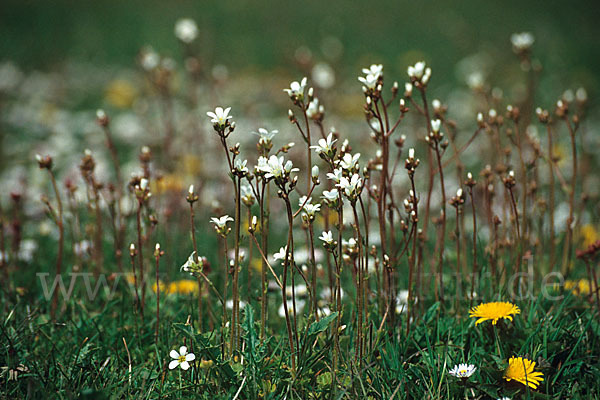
column 522, row 41
column 372, row 79
column 275, row 168
column 419, row 73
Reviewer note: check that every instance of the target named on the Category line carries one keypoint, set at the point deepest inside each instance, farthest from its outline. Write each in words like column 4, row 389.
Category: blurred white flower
column 327, row 237
column 522, row 41
column 323, row 75
column 265, row 135
column 186, row 30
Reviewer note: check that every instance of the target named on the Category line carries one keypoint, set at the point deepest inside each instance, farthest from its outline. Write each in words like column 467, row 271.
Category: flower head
column 280, row 255
column 327, row 237
column 494, row 311
column 419, row 73
column 463, row 370
column 265, row 136
column 275, row 168
column 186, row 30
column 521, row 370
column 181, row 359
column 220, row 117
column 325, row 147
column 309, row 209
column 351, row 187
column 350, row 162
column 522, row 41
column 296, row 90
column 221, row 224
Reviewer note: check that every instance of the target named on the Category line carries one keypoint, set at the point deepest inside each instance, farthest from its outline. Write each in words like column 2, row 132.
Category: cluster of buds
column 296, row 91
column 459, row 199
column 562, row 109
column 410, row 206
column 411, row 162
column 191, row 197
column 328, row 242
column 509, row 180
column 315, row 111
column 372, row 81
column 436, row 136
column 265, row 141
column 349, row 250
column 220, row 120
column 141, row 189
column 494, row 118
column 543, row 115
column 470, row 182
column 102, row 118
column 221, row 225
column 44, row 162
column 419, row 74
column 512, row 113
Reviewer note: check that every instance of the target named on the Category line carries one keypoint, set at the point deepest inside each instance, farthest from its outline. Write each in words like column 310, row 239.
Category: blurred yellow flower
column 162, row 286
column 493, row 311
column 183, row 286
column 580, row 286
column 120, row 93
column 168, row 183
column 521, row 370
column 589, row 235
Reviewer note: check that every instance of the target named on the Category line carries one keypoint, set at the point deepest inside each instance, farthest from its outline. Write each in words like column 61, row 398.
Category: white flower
column 239, row 166
column 462, row 370
column 296, row 89
column 265, row 135
column 369, row 80
column 374, row 69
column 349, row 161
column 190, row 265
column 221, row 222
column 327, row 237
column 149, row 59
column 336, row 175
column 522, row 41
column 309, row 208
column 247, row 194
column 419, row 72
column 435, row 125
column 274, row 167
column 330, row 195
column 504, row 398
column 186, row 30
column 314, row 109
column 325, row 145
column 181, row 359
column 220, row 116
column 352, row 186
column 280, row 255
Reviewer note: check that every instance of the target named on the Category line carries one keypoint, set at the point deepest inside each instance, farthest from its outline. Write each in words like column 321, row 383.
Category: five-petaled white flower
column 220, row 116
column 181, row 359
column 462, row 370
column 239, row 166
column 186, row 30
column 296, row 90
column 222, row 221
column 327, row 237
column 352, row 186
column 349, row 161
column 325, row 146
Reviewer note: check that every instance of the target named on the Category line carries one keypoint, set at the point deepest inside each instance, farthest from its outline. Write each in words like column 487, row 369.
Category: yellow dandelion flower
column 186, row 286
column 161, row 285
column 581, row 286
column 589, row 234
column 494, row 311
column 521, row 370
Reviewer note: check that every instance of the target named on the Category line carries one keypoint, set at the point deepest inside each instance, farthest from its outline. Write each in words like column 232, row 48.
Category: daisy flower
column 521, row 370
column 181, row 359
column 494, row 311
column 463, row 370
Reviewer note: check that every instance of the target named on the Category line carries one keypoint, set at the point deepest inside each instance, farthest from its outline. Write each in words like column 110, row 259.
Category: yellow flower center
column 181, row 359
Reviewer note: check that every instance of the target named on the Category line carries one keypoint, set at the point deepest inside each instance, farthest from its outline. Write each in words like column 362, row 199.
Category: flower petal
column 185, row 365
column 190, row 357
column 174, row 354
column 173, row 364
column 183, row 350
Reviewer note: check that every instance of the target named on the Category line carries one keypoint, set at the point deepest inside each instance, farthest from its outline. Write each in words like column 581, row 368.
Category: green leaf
column 321, row 325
